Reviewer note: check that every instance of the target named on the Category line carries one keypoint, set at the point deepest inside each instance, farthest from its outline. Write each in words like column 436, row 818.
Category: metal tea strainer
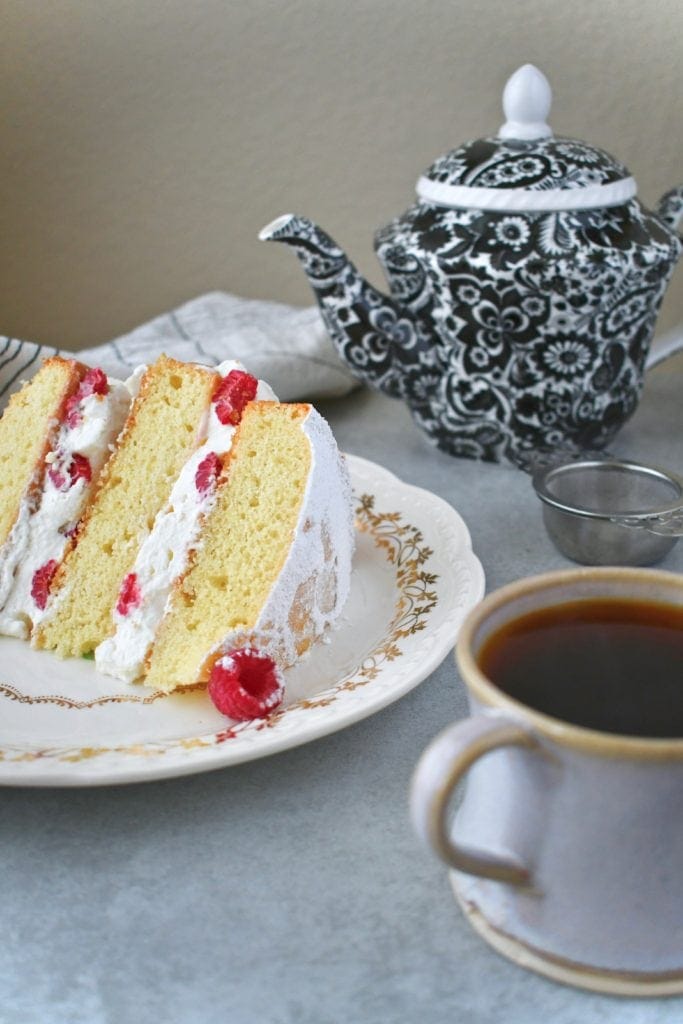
column 604, row 511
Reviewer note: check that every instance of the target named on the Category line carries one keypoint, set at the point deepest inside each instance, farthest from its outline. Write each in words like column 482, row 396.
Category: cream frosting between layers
column 14, row 549
column 164, row 554
column 40, row 534
column 318, row 564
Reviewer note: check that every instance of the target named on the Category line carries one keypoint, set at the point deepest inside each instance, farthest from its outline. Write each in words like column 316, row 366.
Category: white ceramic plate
column 414, row 579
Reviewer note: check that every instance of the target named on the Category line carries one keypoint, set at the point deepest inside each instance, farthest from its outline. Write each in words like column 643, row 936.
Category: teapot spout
column 670, row 207
column 373, row 335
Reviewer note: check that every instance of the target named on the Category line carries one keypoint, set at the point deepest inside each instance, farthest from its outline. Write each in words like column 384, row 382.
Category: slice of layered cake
column 55, row 437
column 213, row 544
column 162, row 430
column 165, row 553
column 273, row 568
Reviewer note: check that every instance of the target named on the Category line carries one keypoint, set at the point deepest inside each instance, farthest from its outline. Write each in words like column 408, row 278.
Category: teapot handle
column 670, row 207
column 665, row 346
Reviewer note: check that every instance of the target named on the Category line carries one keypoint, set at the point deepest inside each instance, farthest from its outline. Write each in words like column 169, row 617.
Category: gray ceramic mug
column 567, row 850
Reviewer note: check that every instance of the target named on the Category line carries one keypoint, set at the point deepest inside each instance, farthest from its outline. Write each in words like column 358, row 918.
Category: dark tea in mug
column 609, row 664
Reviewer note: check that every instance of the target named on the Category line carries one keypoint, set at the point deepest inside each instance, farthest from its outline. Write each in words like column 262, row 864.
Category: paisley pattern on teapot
column 534, row 165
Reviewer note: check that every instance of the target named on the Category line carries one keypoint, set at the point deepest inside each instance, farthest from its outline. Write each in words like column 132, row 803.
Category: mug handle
column 441, row 767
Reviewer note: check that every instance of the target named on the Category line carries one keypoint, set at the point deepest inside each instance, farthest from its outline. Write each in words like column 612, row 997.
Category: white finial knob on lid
column 526, row 103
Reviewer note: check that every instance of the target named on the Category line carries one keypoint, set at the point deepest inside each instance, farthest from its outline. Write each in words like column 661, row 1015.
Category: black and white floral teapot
column 525, row 284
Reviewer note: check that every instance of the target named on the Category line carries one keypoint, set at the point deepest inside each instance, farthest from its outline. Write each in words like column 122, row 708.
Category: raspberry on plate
column 246, row 684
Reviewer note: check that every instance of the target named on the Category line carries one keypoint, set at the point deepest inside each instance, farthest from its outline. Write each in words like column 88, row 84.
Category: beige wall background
column 145, row 143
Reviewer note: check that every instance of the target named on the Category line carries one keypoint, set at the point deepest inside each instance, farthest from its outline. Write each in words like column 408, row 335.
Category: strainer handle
column 664, row 524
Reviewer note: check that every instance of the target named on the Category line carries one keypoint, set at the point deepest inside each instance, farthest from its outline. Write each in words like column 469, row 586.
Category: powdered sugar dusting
column 314, row 583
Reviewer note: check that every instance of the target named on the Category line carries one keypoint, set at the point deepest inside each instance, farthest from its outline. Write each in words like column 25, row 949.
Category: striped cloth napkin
column 287, row 346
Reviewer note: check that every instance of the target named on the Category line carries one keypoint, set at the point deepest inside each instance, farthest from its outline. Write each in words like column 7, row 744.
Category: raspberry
column 79, row 469
column 41, row 583
column 232, row 394
column 94, row 383
column 207, row 473
column 73, row 416
column 64, row 475
column 246, row 684
column 57, row 478
column 130, row 595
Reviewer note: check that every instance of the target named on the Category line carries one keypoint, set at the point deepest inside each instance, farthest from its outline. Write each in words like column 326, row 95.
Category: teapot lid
column 525, row 167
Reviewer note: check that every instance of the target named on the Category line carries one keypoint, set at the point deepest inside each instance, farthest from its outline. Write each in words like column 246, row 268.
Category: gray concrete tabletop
column 292, row 890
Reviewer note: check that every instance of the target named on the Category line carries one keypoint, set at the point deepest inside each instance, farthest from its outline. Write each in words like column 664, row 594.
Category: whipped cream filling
column 14, row 550
column 163, row 555
column 41, row 533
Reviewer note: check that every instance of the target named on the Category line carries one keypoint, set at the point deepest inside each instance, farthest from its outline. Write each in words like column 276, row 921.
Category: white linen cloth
column 284, row 345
